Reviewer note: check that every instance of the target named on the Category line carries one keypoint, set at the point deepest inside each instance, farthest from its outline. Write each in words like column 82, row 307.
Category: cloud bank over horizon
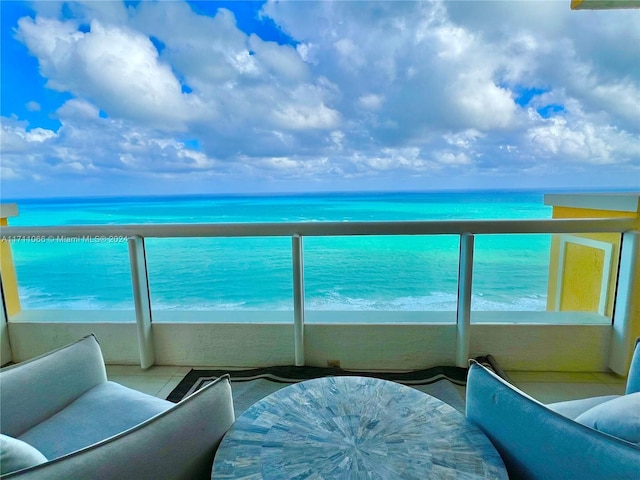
column 172, row 97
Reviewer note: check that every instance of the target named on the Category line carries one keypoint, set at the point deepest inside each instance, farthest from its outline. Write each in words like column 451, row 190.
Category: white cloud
column 453, row 42
column 307, row 52
column 430, row 72
column 371, row 101
column 300, row 117
column 349, row 54
column 78, row 109
column 452, row 158
column 89, row 147
column 283, row 62
column 39, row 135
column 465, row 139
column 8, row 173
column 395, row 159
column 114, row 67
column 365, row 90
column 33, row 106
column 83, row 10
column 337, row 137
column 583, row 142
column 15, row 138
column 207, row 51
column 252, row 85
column 620, row 98
column 484, row 105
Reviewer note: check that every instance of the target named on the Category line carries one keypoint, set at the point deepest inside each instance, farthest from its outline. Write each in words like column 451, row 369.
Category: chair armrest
column 34, row 390
column 538, row 444
column 179, row 443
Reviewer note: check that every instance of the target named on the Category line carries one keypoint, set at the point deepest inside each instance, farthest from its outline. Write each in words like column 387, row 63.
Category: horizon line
column 319, row 193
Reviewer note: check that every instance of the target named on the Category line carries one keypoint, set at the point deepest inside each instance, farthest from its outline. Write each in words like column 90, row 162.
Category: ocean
column 411, row 273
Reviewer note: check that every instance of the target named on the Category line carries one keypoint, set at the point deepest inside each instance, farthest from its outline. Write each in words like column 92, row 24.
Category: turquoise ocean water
column 341, row 273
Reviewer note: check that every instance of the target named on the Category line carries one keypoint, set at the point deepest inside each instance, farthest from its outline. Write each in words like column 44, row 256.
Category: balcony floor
column 546, row 387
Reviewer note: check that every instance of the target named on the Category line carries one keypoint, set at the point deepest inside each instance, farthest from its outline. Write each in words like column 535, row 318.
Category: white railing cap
column 325, row 229
column 618, row 202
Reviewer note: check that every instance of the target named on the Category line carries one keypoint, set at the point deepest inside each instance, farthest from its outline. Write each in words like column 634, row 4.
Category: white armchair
column 61, row 419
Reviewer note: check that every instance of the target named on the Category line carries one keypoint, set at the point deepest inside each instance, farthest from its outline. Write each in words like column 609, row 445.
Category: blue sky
column 172, row 97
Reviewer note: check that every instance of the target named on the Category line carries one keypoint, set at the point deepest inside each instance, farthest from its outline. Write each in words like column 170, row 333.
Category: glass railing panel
column 75, row 274
column 536, row 278
column 220, row 279
column 392, row 274
column 510, row 273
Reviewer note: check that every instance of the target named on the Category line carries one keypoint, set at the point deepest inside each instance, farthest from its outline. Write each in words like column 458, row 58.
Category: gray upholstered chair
column 596, row 438
column 61, row 419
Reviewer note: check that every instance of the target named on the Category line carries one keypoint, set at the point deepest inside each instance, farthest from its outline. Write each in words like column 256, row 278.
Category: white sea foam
column 200, row 306
column 436, row 301
column 34, row 298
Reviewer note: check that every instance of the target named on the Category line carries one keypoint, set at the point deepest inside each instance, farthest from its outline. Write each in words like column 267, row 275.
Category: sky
column 103, row 98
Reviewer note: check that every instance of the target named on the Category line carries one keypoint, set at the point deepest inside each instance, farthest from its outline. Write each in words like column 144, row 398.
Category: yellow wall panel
column 582, row 278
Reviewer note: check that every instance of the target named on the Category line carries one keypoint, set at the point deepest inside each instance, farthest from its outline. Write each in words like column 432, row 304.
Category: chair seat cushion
column 573, row 408
column 103, row 411
column 619, row 417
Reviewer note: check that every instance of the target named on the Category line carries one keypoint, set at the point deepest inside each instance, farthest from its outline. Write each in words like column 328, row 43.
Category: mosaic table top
column 355, row 428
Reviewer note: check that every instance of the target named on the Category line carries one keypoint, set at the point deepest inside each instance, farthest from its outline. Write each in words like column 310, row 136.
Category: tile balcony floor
column 546, row 387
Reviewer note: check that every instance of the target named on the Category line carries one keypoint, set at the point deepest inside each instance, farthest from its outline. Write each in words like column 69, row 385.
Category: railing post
column 142, row 299
column 463, row 315
column 298, row 298
column 626, row 321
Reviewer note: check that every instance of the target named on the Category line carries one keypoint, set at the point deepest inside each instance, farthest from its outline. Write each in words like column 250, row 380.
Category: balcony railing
column 466, row 230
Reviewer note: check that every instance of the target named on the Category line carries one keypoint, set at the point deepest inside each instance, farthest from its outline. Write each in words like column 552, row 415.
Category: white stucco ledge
column 619, row 202
column 8, row 210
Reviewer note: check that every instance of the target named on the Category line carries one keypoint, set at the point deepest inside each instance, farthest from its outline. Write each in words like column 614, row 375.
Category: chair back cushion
column 619, row 417
column 537, row 443
column 574, row 408
column 16, row 455
column 34, row 390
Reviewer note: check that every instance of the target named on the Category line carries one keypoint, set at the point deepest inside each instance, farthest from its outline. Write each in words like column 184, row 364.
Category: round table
column 354, row 427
